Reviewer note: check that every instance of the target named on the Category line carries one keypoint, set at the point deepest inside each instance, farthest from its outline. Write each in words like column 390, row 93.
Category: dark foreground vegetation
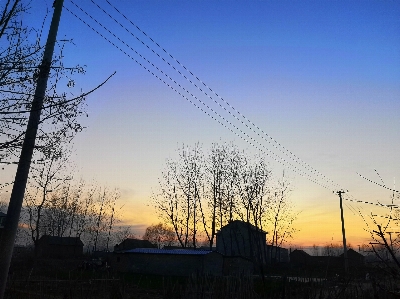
column 64, row 279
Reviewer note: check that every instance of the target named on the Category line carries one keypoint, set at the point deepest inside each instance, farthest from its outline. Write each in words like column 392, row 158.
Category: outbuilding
column 174, row 262
column 239, row 238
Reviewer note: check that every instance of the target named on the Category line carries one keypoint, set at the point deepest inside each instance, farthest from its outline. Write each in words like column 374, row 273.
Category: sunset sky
column 322, row 78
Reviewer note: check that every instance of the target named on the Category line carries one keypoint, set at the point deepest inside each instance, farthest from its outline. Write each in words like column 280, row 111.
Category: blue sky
column 320, row 77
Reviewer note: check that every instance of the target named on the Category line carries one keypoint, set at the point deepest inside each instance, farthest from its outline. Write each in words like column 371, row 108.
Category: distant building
column 276, row 254
column 239, row 238
column 59, row 247
column 300, row 258
column 128, row 244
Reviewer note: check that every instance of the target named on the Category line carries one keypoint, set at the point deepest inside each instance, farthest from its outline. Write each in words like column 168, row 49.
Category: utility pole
column 21, row 177
column 346, row 261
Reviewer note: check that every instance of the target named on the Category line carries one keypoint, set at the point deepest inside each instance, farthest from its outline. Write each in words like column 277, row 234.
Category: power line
column 281, row 149
column 276, row 158
column 387, row 217
column 380, row 185
column 371, row 203
column 272, row 155
column 283, row 161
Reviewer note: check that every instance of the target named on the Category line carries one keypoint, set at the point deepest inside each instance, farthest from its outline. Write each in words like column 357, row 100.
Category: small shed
column 59, row 247
column 171, row 262
column 129, row 244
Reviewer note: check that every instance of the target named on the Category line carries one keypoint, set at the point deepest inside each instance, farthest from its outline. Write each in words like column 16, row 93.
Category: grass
column 63, row 279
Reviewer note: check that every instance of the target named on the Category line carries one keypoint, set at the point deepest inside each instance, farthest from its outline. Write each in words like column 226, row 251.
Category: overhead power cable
column 271, row 154
column 218, row 116
column 270, row 140
column 371, row 203
column 380, row 185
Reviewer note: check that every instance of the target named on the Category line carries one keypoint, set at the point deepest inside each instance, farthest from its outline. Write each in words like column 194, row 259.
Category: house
column 128, row 244
column 239, row 238
column 355, row 259
column 171, row 262
column 59, row 247
column 300, row 258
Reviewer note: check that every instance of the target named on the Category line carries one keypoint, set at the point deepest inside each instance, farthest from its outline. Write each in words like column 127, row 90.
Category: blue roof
column 167, row 251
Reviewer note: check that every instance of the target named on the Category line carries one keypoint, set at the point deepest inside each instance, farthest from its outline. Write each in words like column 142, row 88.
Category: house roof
column 353, row 253
column 238, row 223
column 68, row 241
column 299, row 251
column 167, row 251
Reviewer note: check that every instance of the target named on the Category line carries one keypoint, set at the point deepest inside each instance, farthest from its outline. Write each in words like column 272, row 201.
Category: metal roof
column 167, row 251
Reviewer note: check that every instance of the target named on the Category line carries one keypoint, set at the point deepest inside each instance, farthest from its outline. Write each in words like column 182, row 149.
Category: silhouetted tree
column 160, row 235
column 179, row 201
column 217, row 189
column 219, row 203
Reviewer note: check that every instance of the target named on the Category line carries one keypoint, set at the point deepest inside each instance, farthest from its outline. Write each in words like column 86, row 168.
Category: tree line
column 201, row 192
column 55, row 203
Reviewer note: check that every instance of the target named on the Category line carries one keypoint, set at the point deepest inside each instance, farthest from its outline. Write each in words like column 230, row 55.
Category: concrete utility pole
column 346, row 261
column 14, row 208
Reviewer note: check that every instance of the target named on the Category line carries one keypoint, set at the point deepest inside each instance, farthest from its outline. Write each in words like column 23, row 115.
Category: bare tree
column 332, row 250
column 160, row 235
column 21, row 51
column 281, row 214
column 315, row 250
column 220, row 197
column 103, row 219
column 19, row 61
column 179, row 201
column 200, row 195
column 48, row 177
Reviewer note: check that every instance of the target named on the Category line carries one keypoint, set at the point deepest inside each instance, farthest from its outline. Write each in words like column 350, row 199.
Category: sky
column 322, row 78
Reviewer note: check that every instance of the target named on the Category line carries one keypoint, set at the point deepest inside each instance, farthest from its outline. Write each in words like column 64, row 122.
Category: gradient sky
column 321, row 77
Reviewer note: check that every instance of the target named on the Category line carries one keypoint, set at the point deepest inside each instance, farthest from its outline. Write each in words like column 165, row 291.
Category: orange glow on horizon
column 320, row 226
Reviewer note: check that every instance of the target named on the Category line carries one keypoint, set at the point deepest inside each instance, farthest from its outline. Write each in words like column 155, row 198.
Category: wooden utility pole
column 21, row 177
column 346, row 261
